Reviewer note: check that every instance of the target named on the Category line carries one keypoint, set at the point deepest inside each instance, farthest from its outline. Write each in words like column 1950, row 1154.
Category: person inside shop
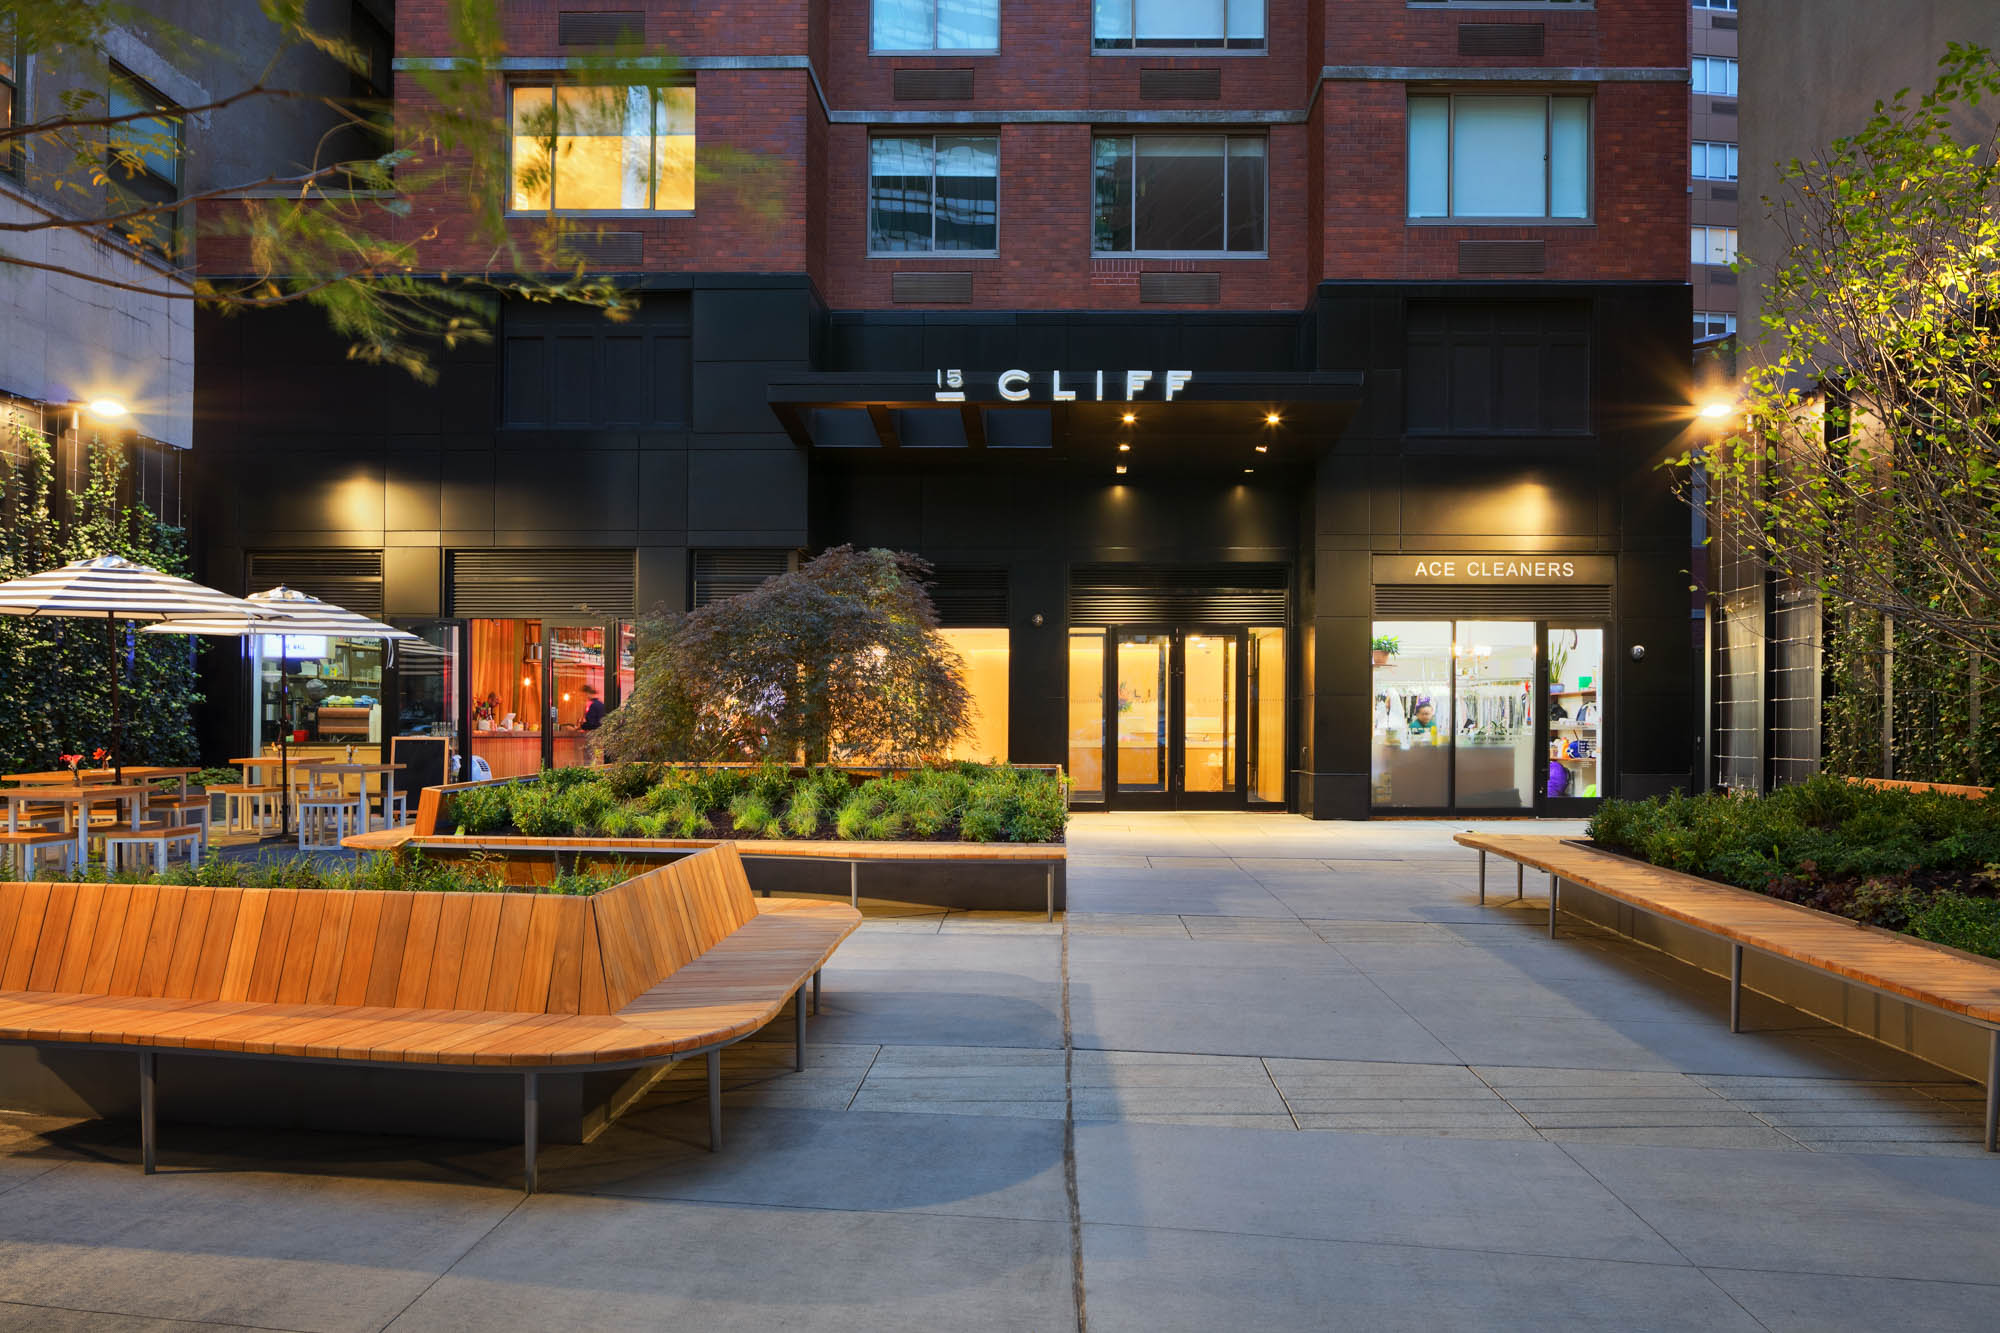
column 1424, row 721
column 593, row 712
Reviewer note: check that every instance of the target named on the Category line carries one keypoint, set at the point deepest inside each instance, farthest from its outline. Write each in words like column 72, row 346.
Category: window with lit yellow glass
column 603, row 149
column 984, row 652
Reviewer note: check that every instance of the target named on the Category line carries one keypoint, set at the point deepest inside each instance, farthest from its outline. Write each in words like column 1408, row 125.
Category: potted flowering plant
column 74, row 763
column 100, row 758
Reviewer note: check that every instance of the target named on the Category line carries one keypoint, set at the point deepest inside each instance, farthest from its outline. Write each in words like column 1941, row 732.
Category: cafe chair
column 23, row 850
column 160, row 837
column 325, row 818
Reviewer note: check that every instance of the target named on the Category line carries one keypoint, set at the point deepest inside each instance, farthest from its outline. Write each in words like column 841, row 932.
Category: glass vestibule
column 1499, row 716
column 538, row 689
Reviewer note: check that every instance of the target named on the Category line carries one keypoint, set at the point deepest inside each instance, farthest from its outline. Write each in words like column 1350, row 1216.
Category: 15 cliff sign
column 1513, row 567
column 1062, row 386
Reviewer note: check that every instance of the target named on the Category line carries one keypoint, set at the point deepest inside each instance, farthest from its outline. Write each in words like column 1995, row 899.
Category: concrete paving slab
column 619, row 1264
column 763, row 1073
column 1154, row 1281
column 1525, row 1198
column 943, row 989
column 50, row 1319
column 967, row 1080
column 1867, row 1216
column 1819, row 1303
column 286, row 1251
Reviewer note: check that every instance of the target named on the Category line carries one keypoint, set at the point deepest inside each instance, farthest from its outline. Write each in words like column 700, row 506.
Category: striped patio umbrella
column 285, row 611
column 116, row 589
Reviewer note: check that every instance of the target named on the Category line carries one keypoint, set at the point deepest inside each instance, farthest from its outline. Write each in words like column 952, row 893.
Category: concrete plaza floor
column 1268, row 1074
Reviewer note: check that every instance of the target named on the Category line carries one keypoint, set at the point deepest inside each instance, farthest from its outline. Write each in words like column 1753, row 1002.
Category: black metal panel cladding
column 1500, row 39
column 1183, row 594
column 932, row 85
column 575, row 27
column 968, row 598
column 541, row 583
column 1180, row 85
column 720, row 574
column 348, row 578
column 1520, row 602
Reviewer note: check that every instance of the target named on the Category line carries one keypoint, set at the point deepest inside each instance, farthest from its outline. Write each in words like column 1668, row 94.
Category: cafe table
column 83, row 797
column 103, row 776
column 364, row 772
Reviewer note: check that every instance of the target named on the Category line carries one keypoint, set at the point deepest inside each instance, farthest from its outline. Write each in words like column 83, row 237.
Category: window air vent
column 933, row 85
column 1500, row 39
column 1724, row 193
column 1180, row 85
column 608, row 249
column 1191, row 594
column 349, row 579
column 1501, row 257
column 1181, row 288
column 1726, row 22
column 723, row 574
column 1721, row 277
column 510, row 582
column 1723, row 108
column 1499, row 601
column 935, row 288
column 969, row 598
column 599, row 27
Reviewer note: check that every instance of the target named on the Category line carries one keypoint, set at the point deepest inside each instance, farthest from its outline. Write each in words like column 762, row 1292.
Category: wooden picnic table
column 83, row 797
column 364, row 772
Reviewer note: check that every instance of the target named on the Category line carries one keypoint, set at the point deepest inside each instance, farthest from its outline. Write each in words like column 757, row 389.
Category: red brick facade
column 1330, row 92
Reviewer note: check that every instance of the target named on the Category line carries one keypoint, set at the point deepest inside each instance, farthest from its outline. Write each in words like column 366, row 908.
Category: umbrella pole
column 284, row 741
column 117, row 670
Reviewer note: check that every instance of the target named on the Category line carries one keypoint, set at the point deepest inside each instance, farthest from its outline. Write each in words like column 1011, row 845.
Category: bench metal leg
column 531, row 1127
column 1554, row 888
column 1993, row 1090
column 854, row 884
column 1520, row 877
column 1482, row 877
column 799, row 1031
column 815, row 992
column 1050, row 915
column 1735, row 988
column 715, row 1101
column 149, row 1096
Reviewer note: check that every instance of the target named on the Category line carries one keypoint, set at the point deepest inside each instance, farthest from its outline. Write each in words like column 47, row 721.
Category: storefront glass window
column 1209, row 732
column 506, row 695
column 985, row 653
column 1494, row 715
column 336, row 690
column 1086, row 713
column 1409, row 749
column 1145, row 703
column 576, row 655
column 1576, row 712
column 1267, row 715
column 427, row 683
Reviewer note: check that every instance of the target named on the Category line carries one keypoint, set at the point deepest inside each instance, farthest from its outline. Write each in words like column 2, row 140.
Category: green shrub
column 1963, row 922
column 751, row 814
column 482, row 809
column 631, row 781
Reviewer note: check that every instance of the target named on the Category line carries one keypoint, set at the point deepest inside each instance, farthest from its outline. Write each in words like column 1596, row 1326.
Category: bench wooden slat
column 33, row 908
column 1900, row 965
column 216, row 944
column 189, row 932
column 54, row 939
column 295, row 971
column 392, row 936
column 482, row 933
column 323, row 984
column 510, row 947
column 448, row 956
column 357, row 947
column 241, row 956
column 413, row 970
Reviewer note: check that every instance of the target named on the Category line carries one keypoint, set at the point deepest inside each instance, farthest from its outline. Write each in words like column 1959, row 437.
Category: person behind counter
column 593, row 712
column 1424, row 719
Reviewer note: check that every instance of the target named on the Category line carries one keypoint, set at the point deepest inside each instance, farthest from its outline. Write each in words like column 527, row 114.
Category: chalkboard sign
column 426, row 758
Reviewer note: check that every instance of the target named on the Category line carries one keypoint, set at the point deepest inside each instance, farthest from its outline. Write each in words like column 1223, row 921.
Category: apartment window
column 145, row 160
column 1714, row 161
column 603, row 149
column 934, row 25
column 933, row 193
column 1729, row 5
column 1165, row 25
column 10, row 96
column 1714, row 75
column 1484, row 156
column 1713, row 245
column 1176, row 194
column 1713, row 323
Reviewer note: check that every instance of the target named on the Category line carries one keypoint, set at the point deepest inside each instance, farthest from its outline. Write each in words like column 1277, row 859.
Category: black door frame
column 1174, row 794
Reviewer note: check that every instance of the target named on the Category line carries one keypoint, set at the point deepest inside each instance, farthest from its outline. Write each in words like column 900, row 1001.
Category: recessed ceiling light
column 1120, row 469
column 1249, row 469
column 1271, row 418
column 1124, row 447
column 1263, row 448
column 1129, row 418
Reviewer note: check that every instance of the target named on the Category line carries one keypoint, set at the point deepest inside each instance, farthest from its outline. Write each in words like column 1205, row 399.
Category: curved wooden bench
column 678, row 962
column 1909, row 969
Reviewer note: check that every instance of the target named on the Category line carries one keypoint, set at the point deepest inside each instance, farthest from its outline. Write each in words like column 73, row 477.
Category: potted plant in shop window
column 1383, row 647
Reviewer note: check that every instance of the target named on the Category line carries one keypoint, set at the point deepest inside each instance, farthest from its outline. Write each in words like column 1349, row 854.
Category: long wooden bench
column 678, row 962
column 1897, row 965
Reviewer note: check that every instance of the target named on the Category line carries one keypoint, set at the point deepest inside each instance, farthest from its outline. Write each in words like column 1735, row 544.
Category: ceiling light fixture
column 1263, row 448
column 1120, row 469
column 1272, row 418
column 1124, row 447
column 105, row 409
column 1129, row 418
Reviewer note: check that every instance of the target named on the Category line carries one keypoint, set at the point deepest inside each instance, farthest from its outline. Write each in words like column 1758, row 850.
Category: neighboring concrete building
column 1277, row 387
column 70, row 337
column 1812, row 70
column 1712, row 165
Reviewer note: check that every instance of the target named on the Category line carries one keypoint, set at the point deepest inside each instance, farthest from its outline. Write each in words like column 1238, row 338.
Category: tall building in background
column 1713, row 165
column 1278, row 389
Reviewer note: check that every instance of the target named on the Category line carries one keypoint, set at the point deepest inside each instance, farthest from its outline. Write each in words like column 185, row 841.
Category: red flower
column 99, row 755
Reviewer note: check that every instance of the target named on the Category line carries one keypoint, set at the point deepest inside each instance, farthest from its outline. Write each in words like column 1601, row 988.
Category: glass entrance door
column 1208, row 728
column 1142, row 710
column 575, row 689
column 1175, row 704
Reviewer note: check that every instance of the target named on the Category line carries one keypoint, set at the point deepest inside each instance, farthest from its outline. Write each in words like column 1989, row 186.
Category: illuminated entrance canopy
column 1058, row 386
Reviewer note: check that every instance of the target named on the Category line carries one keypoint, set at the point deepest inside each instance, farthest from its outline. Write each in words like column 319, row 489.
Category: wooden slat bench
column 681, row 961
column 1896, row 965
